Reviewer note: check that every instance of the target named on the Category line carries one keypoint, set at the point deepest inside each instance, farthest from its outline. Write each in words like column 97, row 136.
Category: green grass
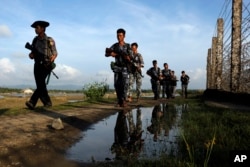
column 212, row 129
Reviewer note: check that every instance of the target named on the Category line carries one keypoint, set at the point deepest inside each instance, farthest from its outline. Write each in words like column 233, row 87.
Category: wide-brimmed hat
column 40, row 23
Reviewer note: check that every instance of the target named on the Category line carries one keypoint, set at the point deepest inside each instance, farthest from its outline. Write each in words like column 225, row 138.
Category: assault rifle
column 125, row 55
column 138, row 69
column 50, row 65
column 166, row 75
column 154, row 74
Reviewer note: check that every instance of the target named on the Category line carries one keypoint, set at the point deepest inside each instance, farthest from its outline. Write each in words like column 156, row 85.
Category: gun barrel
column 28, row 46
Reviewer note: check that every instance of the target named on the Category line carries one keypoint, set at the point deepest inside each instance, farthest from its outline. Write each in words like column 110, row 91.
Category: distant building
column 28, row 91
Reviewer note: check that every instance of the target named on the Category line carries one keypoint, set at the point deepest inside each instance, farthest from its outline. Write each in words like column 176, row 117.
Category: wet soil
column 27, row 140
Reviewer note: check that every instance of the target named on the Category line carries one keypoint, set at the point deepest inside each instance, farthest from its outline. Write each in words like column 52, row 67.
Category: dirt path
column 28, row 140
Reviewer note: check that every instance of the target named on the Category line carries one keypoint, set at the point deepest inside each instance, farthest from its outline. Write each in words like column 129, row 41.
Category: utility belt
column 48, row 65
column 118, row 68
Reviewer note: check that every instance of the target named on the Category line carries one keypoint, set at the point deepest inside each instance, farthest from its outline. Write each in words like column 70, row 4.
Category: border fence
column 228, row 59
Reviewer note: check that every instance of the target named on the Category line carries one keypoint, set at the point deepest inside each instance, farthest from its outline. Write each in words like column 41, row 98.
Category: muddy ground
column 27, row 140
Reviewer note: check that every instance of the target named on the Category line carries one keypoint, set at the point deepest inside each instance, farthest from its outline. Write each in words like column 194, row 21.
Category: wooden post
column 219, row 56
column 213, row 67
column 236, row 45
column 209, row 67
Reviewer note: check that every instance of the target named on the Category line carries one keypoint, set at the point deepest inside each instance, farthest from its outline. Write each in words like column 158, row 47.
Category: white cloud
column 6, row 66
column 67, row 72
column 197, row 78
column 5, row 31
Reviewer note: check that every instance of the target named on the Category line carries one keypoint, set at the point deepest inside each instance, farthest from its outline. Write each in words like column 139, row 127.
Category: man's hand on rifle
column 31, row 55
column 127, row 57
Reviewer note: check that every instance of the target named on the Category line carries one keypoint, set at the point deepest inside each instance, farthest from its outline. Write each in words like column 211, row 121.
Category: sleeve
column 34, row 41
column 129, row 51
column 149, row 72
column 52, row 45
column 141, row 60
column 159, row 72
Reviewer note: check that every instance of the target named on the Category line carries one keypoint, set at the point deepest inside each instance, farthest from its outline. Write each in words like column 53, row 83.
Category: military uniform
column 173, row 84
column 45, row 47
column 135, row 75
column 184, row 83
column 121, row 69
column 155, row 74
column 166, row 83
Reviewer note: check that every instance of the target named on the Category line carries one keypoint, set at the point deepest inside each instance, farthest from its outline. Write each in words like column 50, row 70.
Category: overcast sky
column 178, row 32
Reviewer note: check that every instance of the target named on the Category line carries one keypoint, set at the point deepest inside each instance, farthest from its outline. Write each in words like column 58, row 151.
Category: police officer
column 44, row 53
column 122, row 53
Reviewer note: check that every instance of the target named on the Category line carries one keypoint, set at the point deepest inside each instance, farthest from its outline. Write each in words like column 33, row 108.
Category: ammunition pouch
column 50, row 65
column 115, row 68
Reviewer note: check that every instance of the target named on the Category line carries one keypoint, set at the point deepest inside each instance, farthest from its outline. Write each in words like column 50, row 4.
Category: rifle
column 153, row 74
column 125, row 55
column 166, row 75
column 50, row 65
column 138, row 69
column 128, row 58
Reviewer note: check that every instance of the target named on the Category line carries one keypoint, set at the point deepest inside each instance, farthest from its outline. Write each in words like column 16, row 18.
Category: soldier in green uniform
column 136, row 73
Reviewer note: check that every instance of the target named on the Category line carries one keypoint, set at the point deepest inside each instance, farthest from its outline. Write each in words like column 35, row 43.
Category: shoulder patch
column 51, row 41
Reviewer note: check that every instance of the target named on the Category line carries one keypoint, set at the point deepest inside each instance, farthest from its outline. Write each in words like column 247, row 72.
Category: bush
column 95, row 90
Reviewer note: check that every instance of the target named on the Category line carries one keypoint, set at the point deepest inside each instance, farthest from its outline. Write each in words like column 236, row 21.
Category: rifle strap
column 48, row 77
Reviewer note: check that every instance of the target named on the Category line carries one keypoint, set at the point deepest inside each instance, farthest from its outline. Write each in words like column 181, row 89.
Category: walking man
column 136, row 73
column 155, row 74
column 166, row 81
column 184, row 83
column 122, row 53
column 44, row 53
column 173, row 83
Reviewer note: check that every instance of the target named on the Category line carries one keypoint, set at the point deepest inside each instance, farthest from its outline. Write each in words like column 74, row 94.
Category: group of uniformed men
column 165, row 78
column 127, row 69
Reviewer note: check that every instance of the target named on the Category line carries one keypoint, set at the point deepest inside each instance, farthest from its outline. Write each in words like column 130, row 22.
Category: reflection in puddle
column 142, row 132
column 74, row 101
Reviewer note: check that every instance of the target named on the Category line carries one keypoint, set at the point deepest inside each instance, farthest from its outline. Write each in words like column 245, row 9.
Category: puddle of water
column 143, row 132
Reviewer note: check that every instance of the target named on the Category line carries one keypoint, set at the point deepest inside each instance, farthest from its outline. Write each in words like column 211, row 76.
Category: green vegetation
column 210, row 133
column 8, row 90
column 95, row 90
